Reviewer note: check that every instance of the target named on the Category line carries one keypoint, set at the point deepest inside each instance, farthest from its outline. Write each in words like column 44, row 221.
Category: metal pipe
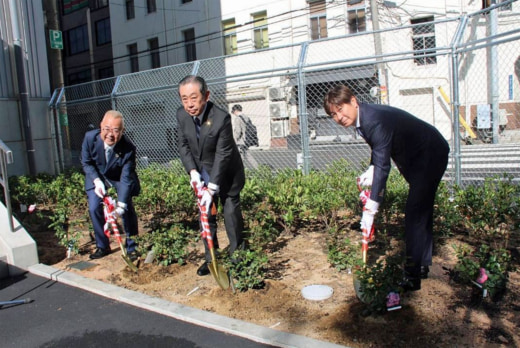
column 455, row 98
column 493, row 67
column 302, row 101
column 22, row 88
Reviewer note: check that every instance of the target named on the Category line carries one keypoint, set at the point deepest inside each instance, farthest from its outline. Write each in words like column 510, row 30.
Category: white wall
column 31, row 28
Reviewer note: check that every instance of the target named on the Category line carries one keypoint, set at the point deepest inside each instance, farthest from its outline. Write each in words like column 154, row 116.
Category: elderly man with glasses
column 108, row 160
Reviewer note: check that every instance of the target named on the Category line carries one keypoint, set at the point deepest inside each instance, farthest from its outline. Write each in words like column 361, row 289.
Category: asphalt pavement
column 64, row 309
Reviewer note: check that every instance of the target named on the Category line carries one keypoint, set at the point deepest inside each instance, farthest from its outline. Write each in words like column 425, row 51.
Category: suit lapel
column 205, row 126
column 100, row 149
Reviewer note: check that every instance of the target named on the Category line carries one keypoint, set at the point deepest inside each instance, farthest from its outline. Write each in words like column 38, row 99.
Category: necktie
column 360, row 132
column 108, row 152
column 197, row 126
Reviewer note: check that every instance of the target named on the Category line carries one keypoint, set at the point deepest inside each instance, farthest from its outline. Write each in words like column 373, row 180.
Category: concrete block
column 4, row 267
column 18, row 247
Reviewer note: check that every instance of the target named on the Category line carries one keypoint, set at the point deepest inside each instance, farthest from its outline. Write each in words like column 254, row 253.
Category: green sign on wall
column 56, row 39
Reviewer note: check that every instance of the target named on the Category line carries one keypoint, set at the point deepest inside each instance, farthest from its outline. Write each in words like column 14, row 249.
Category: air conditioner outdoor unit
column 276, row 93
column 279, row 129
column 278, row 110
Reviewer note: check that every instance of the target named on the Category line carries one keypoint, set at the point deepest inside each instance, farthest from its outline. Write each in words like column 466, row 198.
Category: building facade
column 25, row 126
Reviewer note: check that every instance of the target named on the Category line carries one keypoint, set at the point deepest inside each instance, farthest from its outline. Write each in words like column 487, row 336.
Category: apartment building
column 344, row 40
column 87, row 40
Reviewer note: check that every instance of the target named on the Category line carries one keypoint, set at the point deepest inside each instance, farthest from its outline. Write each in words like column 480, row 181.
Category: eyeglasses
column 116, row 131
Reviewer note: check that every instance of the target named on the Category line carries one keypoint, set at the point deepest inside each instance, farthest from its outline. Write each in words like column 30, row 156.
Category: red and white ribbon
column 109, row 207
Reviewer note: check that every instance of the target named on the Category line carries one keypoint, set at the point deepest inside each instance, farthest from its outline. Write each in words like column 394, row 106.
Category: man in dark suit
column 209, row 154
column 108, row 159
column 420, row 153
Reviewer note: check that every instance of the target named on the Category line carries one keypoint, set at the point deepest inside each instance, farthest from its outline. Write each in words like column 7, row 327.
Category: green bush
column 248, row 269
column 273, row 202
column 168, row 246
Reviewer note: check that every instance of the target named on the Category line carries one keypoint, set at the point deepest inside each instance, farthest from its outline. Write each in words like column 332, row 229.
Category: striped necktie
column 197, row 126
column 108, row 153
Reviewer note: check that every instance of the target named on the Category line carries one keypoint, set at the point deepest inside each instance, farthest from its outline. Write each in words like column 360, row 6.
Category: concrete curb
column 188, row 314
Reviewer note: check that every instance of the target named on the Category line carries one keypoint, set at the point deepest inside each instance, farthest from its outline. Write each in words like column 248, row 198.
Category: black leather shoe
column 410, row 284
column 203, row 269
column 424, row 272
column 100, row 252
column 133, row 255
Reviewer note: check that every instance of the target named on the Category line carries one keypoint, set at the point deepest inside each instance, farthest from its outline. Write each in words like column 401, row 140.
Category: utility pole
column 55, row 60
column 57, row 81
column 381, row 70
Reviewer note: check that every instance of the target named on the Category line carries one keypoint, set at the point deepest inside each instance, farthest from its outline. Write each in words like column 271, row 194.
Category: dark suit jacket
column 395, row 134
column 120, row 169
column 215, row 151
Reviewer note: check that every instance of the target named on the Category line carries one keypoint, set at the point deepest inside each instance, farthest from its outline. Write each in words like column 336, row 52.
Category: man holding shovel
column 108, row 159
column 420, row 153
column 211, row 157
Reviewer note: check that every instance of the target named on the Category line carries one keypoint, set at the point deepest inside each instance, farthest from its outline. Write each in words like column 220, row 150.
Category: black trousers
column 419, row 209
column 233, row 221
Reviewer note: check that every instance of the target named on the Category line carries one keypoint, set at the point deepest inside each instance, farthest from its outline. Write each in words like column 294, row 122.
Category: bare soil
column 441, row 314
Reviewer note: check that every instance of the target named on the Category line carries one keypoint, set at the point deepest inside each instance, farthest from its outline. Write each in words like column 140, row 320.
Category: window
column 423, row 40
column 189, row 43
column 318, row 20
column 230, row 36
column 77, row 40
column 105, row 73
column 70, row 6
column 130, row 9
column 356, row 16
column 185, row 1
column 153, row 46
column 151, row 6
column 95, row 4
column 103, row 35
column 79, row 77
column 134, row 60
column 261, row 37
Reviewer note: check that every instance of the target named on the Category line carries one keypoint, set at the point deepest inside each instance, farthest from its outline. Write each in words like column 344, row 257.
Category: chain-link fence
column 461, row 75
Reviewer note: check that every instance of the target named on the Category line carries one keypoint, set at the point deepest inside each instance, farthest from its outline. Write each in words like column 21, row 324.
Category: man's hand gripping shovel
column 109, row 208
column 368, row 237
column 217, row 271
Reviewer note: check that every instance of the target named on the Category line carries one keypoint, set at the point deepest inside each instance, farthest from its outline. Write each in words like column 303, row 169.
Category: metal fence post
column 303, row 114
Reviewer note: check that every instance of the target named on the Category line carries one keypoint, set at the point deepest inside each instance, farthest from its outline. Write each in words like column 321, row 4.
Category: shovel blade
column 129, row 263
column 220, row 274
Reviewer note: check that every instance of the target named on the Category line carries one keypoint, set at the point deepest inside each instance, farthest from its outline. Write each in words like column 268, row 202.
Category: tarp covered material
column 339, row 74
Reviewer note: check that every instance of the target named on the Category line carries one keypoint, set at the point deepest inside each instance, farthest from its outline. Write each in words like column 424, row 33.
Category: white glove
column 367, row 224
column 366, row 178
column 195, row 182
column 367, row 219
column 99, row 189
column 206, row 199
column 121, row 209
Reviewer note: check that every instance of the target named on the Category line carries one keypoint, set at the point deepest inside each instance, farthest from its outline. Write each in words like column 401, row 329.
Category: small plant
column 496, row 264
column 447, row 215
column 248, row 270
column 377, row 281
column 343, row 254
column 70, row 201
